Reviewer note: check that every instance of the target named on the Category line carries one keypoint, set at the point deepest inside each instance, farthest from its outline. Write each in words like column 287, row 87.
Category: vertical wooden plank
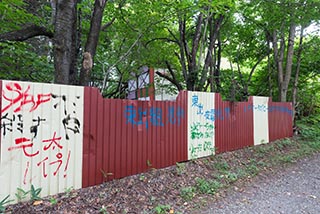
column 100, row 139
column 93, row 139
column 149, row 141
column 124, row 143
column 118, row 145
column 112, row 142
column 86, row 137
column 106, row 140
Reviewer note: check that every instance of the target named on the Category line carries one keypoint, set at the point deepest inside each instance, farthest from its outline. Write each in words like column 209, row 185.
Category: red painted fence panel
column 233, row 125
column 280, row 120
column 126, row 137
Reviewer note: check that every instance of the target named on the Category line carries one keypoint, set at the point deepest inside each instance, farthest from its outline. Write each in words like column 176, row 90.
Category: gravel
column 295, row 189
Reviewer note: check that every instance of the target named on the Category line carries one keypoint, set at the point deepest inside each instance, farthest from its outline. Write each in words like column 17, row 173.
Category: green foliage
column 180, row 167
column 187, row 193
column 162, row 209
column 222, row 165
column 309, row 127
column 4, row 201
column 35, row 193
column 21, row 194
column 231, row 177
column 68, row 191
column 22, row 62
column 207, row 186
column 53, row 201
column 14, row 15
column 103, row 210
column 251, row 168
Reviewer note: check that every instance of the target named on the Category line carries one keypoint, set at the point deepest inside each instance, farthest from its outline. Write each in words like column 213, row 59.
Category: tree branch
column 172, row 80
column 25, row 33
column 165, row 39
column 119, row 60
column 108, row 24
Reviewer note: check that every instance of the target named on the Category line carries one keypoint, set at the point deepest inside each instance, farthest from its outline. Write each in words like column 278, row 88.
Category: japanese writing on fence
column 42, row 127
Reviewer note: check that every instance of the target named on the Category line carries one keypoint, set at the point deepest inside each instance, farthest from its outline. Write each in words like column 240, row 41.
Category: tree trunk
column 217, row 66
column 92, row 42
column 214, row 29
column 64, row 48
column 290, row 51
column 296, row 78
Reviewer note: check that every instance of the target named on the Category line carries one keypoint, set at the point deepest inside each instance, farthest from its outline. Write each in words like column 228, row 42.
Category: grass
column 207, row 186
column 187, row 193
column 161, row 209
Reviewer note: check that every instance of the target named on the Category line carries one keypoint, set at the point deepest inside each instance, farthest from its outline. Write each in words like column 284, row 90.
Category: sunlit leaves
column 14, row 15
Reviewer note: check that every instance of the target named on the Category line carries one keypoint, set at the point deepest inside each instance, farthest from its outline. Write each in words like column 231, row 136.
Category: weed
column 231, row 177
column 68, row 191
column 103, row 210
column 3, row 203
column 187, row 193
column 53, row 201
column 222, row 165
column 285, row 159
column 142, row 177
column 180, row 167
column 207, row 187
column 315, row 145
column 21, row 194
column 206, row 161
column 263, row 149
column 262, row 164
column 149, row 164
column 241, row 172
column 284, row 143
column 161, row 209
column 252, row 169
column 35, row 193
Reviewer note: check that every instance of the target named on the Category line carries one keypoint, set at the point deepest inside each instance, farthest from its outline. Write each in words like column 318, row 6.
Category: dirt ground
column 190, row 187
column 296, row 189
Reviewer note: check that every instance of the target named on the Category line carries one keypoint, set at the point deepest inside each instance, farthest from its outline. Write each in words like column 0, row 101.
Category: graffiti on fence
column 266, row 108
column 20, row 97
column 203, row 132
column 210, row 114
column 153, row 116
column 40, row 129
column 201, row 119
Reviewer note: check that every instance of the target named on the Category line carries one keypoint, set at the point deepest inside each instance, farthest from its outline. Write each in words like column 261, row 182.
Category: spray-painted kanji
column 152, row 115
column 41, row 130
column 8, row 123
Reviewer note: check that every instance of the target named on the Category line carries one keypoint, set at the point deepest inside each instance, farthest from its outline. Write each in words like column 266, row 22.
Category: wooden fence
column 56, row 136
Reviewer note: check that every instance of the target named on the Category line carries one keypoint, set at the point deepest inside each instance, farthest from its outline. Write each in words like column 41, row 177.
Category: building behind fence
column 56, row 136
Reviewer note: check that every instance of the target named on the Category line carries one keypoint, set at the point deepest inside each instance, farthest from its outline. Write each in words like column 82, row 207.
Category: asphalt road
column 295, row 189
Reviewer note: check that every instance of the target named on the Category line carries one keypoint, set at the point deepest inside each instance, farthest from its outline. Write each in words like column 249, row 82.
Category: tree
column 65, row 22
